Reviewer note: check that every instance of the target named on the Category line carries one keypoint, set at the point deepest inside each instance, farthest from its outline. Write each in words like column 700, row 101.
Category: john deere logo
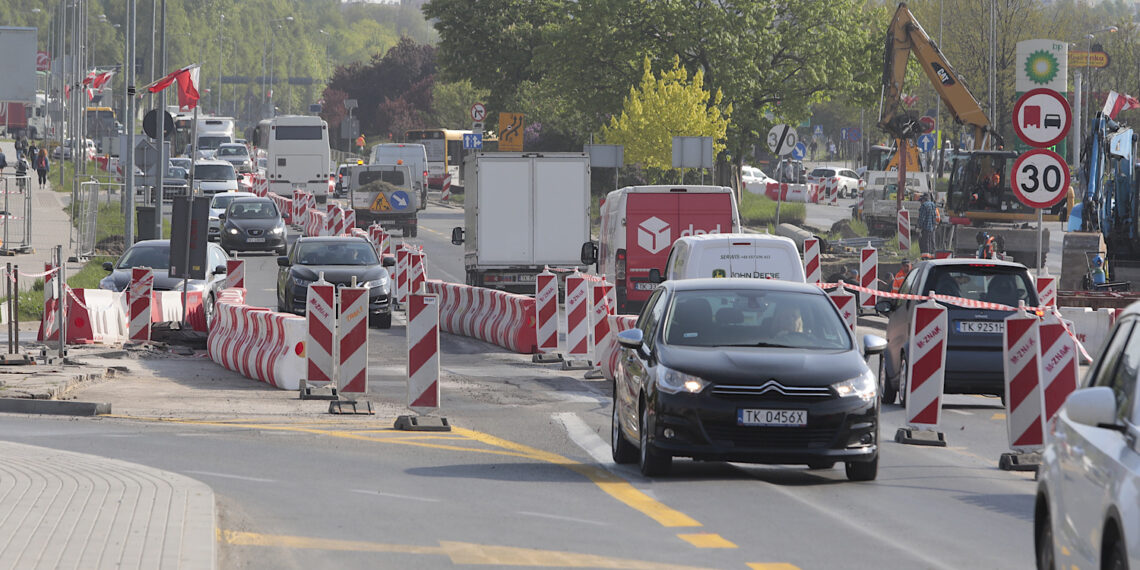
column 717, row 273
column 1041, row 67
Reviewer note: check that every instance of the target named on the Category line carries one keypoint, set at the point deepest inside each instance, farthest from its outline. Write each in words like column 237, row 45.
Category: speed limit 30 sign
column 1040, row 178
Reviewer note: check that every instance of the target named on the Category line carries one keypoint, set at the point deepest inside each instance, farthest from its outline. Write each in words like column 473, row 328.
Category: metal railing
column 17, row 214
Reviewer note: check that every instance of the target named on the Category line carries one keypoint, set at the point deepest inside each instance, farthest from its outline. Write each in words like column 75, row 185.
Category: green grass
column 32, row 300
column 759, row 211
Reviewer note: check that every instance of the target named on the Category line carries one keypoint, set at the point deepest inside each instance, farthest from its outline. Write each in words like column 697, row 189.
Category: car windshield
column 755, row 318
column 221, row 202
column 260, row 210
column 177, row 172
column 336, row 253
column 823, row 173
column 984, row 282
column 152, row 256
column 214, row 172
column 232, row 151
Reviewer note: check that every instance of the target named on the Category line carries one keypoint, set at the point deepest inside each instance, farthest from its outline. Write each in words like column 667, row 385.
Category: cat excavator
column 979, row 200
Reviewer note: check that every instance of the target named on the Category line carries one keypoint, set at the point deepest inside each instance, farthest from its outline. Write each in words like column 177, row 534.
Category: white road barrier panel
column 868, row 277
column 1023, row 400
column 546, row 305
column 1046, row 290
column 235, row 274
column 402, row 270
column 320, row 346
column 423, row 352
column 1091, row 326
column 926, row 376
column 834, row 191
column 418, row 271
column 1060, row 374
column 352, row 337
column 139, row 293
column 904, row 230
column 811, row 260
column 845, row 302
column 604, row 305
column 49, row 324
column 577, row 319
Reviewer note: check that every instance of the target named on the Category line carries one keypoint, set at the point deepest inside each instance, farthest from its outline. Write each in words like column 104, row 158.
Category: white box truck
column 523, row 211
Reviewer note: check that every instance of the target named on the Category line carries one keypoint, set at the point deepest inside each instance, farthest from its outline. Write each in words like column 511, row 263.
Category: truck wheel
column 412, row 231
column 322, row 199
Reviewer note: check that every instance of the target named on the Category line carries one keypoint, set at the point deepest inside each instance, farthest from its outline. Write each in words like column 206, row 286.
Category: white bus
column 297, row 149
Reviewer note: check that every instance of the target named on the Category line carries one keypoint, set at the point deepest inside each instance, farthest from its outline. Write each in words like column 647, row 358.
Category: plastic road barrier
column 868, row 276
column 139, row 300
column 546, row 303
column 1046, row 290
column 96, row 316
column 926, row 374
column 577, row 316
column 1022, row 382
column 402, row 270
column 1059, row 371
column 605, row 304
column 257, row 343
column 315, row 225
column 235, row 274
column 352, row 326
column 335, row 221
column 423, row 352
column 1091, row 326
column 446, row 190
column 811, row 260
column 904, row 230
column 49, row 324
column 418, row 272
column 498, row 317
column 349, row 220
column 321, row 320
column 618, row 323
column 845, row 302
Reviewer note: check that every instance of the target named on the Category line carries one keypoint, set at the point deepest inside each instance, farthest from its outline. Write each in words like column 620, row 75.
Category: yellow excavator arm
column 905, row 36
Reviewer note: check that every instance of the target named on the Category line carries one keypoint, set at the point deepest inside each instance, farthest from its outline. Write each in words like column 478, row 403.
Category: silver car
column 236, row 154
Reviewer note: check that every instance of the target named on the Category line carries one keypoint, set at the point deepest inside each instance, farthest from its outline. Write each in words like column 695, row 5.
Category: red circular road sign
column 927, row 124
column 478, row 112
column 1042, row 117
column 1040, row 178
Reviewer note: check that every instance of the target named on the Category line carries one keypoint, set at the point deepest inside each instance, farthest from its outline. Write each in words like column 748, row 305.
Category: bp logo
column 719, row 273
column 1041, row 67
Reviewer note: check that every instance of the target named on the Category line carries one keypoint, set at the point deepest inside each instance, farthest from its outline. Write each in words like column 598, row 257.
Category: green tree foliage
column 661, row 108
column 393, row 92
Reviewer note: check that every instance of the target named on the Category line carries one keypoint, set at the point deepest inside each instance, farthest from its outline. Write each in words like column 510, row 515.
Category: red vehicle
column 13, row 117
column 640, row 223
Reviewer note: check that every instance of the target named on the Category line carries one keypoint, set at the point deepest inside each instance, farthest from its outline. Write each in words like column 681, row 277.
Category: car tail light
column 619, row 270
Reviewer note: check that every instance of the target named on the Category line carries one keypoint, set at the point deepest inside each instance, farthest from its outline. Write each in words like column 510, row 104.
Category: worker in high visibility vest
column 900, row 275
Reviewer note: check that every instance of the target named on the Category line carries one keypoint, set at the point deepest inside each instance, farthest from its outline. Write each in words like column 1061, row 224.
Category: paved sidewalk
column 60, row 509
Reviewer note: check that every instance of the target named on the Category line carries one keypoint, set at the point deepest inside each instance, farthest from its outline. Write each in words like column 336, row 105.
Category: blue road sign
column 854, row 134
column 843, row 134
column 926, row 142
column 473, row 140
column 400, row 198
column 799, row 151
column 819, row 130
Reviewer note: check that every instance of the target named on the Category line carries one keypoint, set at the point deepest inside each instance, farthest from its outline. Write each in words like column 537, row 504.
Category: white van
column 412, row 155
column 761, row 256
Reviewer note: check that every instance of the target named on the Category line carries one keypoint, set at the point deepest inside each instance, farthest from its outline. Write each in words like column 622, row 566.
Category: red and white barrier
column 926, row 374
column 321, row 320
column 1091, row 326
column 235, row 274
column 868, row 277
column 49, row 323
column 401, row 277
column 167, row 306
column 498, row 317
column 257, row 343
column 284, row 205
column 604, row 305
column 1046, row 290
column 352, row 337
column 96, row 316
column 1060, row 374
column 811, row 260
column 446, row 189
column 298, row 213
column 139, row 299
column 845, row 302
column 577, row 317
column 546, row 303
column 904, row 230
column 423, row 352
column 334, row 226
column 618, row 323
column 316, row 224
column 833, row 184
column 418, row 271
column 1021, row 357
column 349, row 220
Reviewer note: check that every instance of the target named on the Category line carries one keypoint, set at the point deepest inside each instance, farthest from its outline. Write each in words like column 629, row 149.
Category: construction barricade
column 546, row 316
column 320, row 346
column 352, row 339
column 257, row 343
column 501, row 318
column 904, row 230
column 868, row 278
column 1060, row 373
column 235, row 274
column 1046, row 290
column 1021, row 356
column 845, row 302
column 577, row 322
column 139, row 300
column 49, row 323
column 609, row 360
column 926, row 376
column 812, row 269
column 605, row 340
column 423, row 352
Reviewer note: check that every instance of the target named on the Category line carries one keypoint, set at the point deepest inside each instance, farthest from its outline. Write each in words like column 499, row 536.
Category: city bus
column 101, row 124
column 445, row 154
column 297, row 149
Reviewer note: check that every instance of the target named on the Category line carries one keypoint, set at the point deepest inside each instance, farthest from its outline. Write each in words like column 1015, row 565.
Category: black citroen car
column 338, row 260
column 745, row 370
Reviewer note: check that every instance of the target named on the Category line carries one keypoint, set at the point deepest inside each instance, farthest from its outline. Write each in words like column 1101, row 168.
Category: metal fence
column 17, row 214
column 85, row 219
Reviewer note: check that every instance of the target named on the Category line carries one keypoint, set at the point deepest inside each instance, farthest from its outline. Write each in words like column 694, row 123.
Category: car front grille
column 256, row 233
column 770, row 390
column 767, row 437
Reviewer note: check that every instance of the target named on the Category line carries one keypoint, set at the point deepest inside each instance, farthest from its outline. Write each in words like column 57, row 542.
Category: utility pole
column 129, row 167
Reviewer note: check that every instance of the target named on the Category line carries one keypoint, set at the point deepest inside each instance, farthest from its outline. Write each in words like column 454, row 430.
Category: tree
column 395, row 89
column 661, row 108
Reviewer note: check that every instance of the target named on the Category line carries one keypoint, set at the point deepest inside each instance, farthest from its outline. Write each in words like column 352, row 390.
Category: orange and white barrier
column 904, row 230
column 1021, row 356
column 811, row 260
column 498, row 317
column 577, row 317
column 96, row 316
column 352, row 339
column 316, row 223
column 926, row 375
column 868, row 277
column 167, row 306
column 49, row 323
column 1060, row 374
column 139, row 299
column 546, row 303
column 845, row 302
column 321, row 323
column 423, row 352
column 604, row 305
column 1046, row 290
column 235, row 274
column 258, row 343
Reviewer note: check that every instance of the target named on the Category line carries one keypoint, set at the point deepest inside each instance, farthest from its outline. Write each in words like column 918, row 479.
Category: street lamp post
column 1088, row 67
column 218, row 99
column 272, row 61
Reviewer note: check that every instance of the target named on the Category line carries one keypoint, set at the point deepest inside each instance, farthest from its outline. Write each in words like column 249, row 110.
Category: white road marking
column 962, row 412
column 556, row 517
column 584, row 437
column 228, row 476
column 394, row 495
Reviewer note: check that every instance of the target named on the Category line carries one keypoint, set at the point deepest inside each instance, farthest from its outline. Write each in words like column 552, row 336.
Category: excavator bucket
column 1076, row 216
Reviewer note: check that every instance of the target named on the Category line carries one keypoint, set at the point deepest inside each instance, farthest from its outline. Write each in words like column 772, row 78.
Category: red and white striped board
column 235, row 273
column 385, row 243
column 604, row 305
column 1046, row 290
column 926, row 374
column 138, row 299
column 402, row 271
column 49, row 324
column 320, row 346
column 349, row 220
column 1023, row 401
column 834, row 182
column 1060, row 373
column 577, row 317
column 299, row 207
column 352, row 336
column 868, row 276
column 423, row 352
column 811, row 260
column 546, row 310
column 418, row 271
column 845, row 302
column 446, row 188
column 904, row 230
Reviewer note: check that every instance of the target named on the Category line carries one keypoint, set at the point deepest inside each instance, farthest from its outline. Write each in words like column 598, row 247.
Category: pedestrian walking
column 21, row 146
column 927, row 221
column 813, row 147
column 831, row 150
column 3, row 162
column 41, row 165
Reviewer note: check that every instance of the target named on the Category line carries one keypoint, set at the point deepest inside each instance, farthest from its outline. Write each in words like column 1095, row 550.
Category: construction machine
column 979, row 200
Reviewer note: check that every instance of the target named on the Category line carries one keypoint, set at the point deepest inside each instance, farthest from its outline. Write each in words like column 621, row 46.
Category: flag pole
column 190, row 212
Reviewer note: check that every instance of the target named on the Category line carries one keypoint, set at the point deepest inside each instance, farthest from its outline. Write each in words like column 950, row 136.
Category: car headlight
column 277, row 230
column 300, row 282
column 381, row 282
column 107, row 283
column 233, row 231
column 865, row 386
column 671, row 381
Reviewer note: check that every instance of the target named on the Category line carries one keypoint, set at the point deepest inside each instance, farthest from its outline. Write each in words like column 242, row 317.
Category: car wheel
column 651, row 461
column 622, row 450
column 863, row 471
column 887, row 392
column 820, row 465
column 902, row 380
column 1115, row 558
column 1043, row 540
column 208, row 309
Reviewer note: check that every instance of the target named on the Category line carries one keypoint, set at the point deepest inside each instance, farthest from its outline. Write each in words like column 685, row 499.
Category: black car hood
column 791, row 367
column 254, row 223
column 340, row 274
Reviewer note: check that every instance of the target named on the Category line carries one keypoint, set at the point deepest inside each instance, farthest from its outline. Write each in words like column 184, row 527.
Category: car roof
column 231, row 144
column 973, row 261
column 251, row 200
column 711, row 283
column 331, row 239
column 236, row 194
column 755, row 238
column 152, row 243
column 212, row 161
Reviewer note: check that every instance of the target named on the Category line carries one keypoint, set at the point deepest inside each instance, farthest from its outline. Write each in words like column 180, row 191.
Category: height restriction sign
column 1041, row 118
column 1040, row 178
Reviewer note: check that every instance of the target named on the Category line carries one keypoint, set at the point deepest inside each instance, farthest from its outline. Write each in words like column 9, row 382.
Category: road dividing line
column 228, row 476
column 561, row 518
column 707, row 540
column 772, row 566
column 394, row 495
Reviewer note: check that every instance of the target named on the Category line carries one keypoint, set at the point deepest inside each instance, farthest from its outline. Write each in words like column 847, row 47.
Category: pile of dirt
column 110, row 245
column 843, row 228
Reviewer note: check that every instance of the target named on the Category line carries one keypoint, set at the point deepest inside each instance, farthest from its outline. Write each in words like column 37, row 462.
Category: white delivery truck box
column 759, row 256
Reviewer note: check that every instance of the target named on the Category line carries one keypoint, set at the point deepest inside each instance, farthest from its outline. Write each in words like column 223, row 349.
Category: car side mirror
column 589, row 253
column 873, row 344
column 108, row 266
column 388, row 261
column 655, row 275
column 1094, row 406
column 283, row 261
column 631, row 338
column 222, row 216
column 219, row 270
column 884, row 307
column 457, row 236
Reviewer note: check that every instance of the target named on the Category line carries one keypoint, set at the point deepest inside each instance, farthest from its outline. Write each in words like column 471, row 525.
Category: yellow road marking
column 998, row 416
column 706, row 540
column 458, row 552
column 772, row 566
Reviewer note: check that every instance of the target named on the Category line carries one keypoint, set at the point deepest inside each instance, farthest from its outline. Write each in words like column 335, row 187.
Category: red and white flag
column 101, row 79
column 1118, row 102
column 90, row 77
column 90, row 94
column 187, row 79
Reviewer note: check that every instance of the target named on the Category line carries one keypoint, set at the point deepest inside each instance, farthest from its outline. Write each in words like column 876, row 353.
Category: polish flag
column 187, row 79
column 91, row 75
column 101, row 79
column 1117, row 102
column 90, row 94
